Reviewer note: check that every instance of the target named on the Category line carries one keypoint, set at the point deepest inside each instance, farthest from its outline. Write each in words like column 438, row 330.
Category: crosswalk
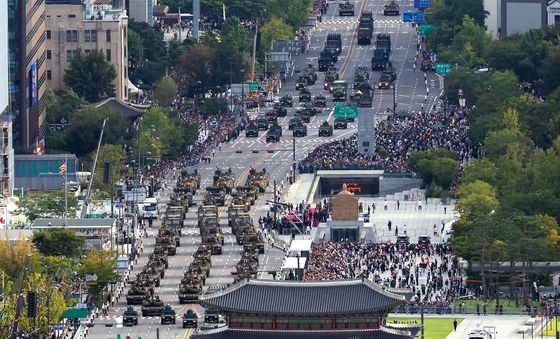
column 351, row 21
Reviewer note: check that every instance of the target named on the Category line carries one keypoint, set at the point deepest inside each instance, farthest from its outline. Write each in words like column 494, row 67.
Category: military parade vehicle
column 211, row 316
column 223, row 180
column 361, row 75
column 340, row 123
column 304, row 95
column 171, row 233
column 235, row 211
column 325, row 130
column 391, row 8
column 168, row 315
column 304, row 115
column 250, row 193
column 262, row 122
column 168, row 244
column 214, row 242
column 309, row 106
column 379, row 59
column 158, row 265
column 365, row 28
column 293, row 122
column 326, row 60
column 251, row 131
column 271, row 117
column 207, row 210
column 181, row 197
column 214, row 196
column 287, row 101
column 149, row 275
column 130, row 317
column 388, row 76
column 137, row 293
column 274, row 133
column 152, row 307
column 333, row 44
column 190, row 319
column 159, row 257
column 161, row 251
column 320, row 101
column 346, row 9
column 203, row 252
column 239, row 199
column 340, row 90
column 301, row 82
column 279, row 110
column 190, row 291
column 212, row 231
column 256, row 239
column 190, row 181
column 259, row 179
column 299, row 131
column 330, row 76
column 175, row 211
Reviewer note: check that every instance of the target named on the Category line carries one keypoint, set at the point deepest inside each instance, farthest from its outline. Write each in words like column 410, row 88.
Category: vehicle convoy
column 271, row 117
column 294, row 122
column 346, row 112
column 262, row 123
column 190, row 319
column 346, row 9
column 365, row 28
column 325, row 130
column 251, row 131
column 320, row 101
column 382, row 52
column 340, row 123
column 299, row 130
column 304, row 115
column 274, row 133
column 152, row 307
column 388, row 77
column 304, row 95
column 168, row 315
column 258, row 179
column 137, row 293
column 391, row 8
column 287, row 101
column 333, row 44
column 280, row 110
column 340, row 90
column 130, row 317
column 361, row 75
column 330, row 76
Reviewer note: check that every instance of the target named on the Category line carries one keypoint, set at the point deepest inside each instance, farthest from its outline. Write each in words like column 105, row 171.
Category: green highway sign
column 253, row 86
column 425, row 29
column 443, row 69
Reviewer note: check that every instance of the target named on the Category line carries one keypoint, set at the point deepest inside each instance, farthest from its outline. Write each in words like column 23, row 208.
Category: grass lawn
column 509, row 306
column 434, row 328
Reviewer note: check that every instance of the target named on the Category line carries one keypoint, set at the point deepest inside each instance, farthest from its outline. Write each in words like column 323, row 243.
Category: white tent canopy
column 132, row 88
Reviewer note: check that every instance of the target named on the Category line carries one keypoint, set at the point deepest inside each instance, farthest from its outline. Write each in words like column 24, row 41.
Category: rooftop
column 72, row 223
column 382, row 333
column 303, row 298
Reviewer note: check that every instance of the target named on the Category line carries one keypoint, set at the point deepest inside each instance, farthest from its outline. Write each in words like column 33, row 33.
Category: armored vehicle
column 167, row 231
column 340, row 123
column 258, row 179
column 168, row 315
column 333, row 44
column 149, row 275
column 280, row 110
column 346, row 9
column 379, row 59
column 304, row 95
column 340, row 88
column 365, row 28
column 293, row 122
column 251, row 131
column 320, row 101
column 325, row 130
column 206, row 210
column 130, row 317
column 287, row 101
column 387, row 78
column 325, row 61
column 300, row 131
column 271, row 117
column 262, row 123
column 253, row 239
column 136, row 294
column 190, row 290
column 361, row 75
column 391, row 8
column 190, row 319
column 161, row 257
column 304, row 115
column 383, row 41
column 175, row 211
column 274, row 133
column 215, row 196
column 168, row 244
column 330, row 76
column 223, row 180
column 152, row 307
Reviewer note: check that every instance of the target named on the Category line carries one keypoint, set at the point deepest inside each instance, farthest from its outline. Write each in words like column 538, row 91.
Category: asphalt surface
column 243, row 153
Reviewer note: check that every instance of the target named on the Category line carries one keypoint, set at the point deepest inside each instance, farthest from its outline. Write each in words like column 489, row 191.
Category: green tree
column 477, row 200
column 274, row 29
column 91, row 77
column 103, row 264
column 480, row 169
column 159, row 134
column 49, row 242
column 135, row 50
column 165, row 91
column 497, row 143
column 114, row 154
column 47, row 205
column 444, row 171
column 235, row 35
column 61, row 105
column 292, row 12
column 550, row 70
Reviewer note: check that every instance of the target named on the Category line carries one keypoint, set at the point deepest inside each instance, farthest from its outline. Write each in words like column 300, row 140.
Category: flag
column 62, row 169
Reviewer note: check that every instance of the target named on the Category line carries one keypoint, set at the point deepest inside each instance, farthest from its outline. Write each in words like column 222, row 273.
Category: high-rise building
column 6, row 147
column 142, row 10
column 88, row 25
column 27, row 73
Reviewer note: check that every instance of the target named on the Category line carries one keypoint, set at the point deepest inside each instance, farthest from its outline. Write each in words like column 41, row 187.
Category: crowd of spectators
column 395, row 138
column 432, row 273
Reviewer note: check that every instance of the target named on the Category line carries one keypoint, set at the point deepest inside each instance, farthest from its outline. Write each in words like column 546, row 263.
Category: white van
column 150, row 208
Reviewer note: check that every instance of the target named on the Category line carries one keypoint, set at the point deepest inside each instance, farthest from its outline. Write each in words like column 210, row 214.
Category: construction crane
column 255, row 50
column 86, row 200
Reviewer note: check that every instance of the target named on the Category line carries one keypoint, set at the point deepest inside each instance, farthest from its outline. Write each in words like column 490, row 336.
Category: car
column 304, row 95
column 325, row 130
column 130, row 317
column 340, row 123
column 280, row 110
column 213, row 317
column 252, row 131
column 190, row 319
column 286, row 101
column 320, row 101
column 294, row 122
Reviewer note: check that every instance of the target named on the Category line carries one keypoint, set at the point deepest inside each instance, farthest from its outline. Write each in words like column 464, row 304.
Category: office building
column 142, row 10
column 88, row 25
column 27, row 72
column 6, row 147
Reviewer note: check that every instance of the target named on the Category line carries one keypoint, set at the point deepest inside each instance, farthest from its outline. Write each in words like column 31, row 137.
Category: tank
column 190, row 291
column 136, row 294
column 152, row 307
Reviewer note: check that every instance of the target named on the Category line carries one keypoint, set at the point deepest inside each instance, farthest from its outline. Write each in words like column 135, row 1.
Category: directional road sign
column 415, row 17
column 443, row 68
column 421, row 3
column 425, row 29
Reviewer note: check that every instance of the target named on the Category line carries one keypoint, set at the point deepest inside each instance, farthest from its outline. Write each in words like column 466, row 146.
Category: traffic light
column 31, row 304
column 106, row 172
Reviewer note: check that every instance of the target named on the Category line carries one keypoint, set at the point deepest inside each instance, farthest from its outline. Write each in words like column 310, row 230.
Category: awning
column 132, row 88
column 75, row 313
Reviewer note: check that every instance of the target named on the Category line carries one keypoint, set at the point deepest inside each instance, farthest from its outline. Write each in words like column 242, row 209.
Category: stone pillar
column 366, row 125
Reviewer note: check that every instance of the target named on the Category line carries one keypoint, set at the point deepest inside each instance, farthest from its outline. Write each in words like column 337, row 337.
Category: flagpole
column 66, row 190
column 180, row 34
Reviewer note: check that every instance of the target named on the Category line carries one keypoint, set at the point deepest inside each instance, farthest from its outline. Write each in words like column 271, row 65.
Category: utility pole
column 293, row 159
column 275, row 201
column 394, row 99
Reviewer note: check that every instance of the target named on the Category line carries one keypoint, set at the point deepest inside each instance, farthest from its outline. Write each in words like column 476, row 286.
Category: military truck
column 175, row 211
column 329, row 56
column 333, row 44
column 251, row 131
column 325, row 130
column 299, row 131
column 287, row 101
column 271, row 117
column 174, row 234
column 391, row 8
column 365, row 28
column 330, row 76
column 190, row 319
column 223, row 180
column 130, row 317
column 304, row 115
column 320, row 101
column 293, row 122
column 383, row 41
column 274, row 133
column 280, row 110
column 361, row 75
column 213, row 242
column 340, row 123
column 304, row 95
column 346, row 9
column 253, row 238
column 340, row 90
column 325, row 61
column 379, row 59
column 136, row 294
column 388, row 76
column 262, row 122
column 218, row 196
column 152, row 307
column 168, row 315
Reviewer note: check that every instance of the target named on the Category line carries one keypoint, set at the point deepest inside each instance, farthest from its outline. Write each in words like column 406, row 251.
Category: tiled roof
column 268, row 334
column 303, row 298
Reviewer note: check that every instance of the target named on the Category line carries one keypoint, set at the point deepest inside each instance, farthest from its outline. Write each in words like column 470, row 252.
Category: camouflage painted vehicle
column 215, row 196
column 258, row 179
column 130, row 317
column 250, row 193
column 214, row 242
column 207, row 210
column 161, row 251
column 256, row 239
column 240, row 200
column 223, row 180
column 212, row 231
column 240, row 221
column 171, row 232
column 136, row 294
column 168, row 243
column 190, row 291
column 175, row 211
column 174, row 222
column 158, row 265
column 190, row 319
column 181, row 197
column 152, row 307
column 242, row 231
column 203, row 252
column 189, row 181
column 150, row 275
column 162, row 258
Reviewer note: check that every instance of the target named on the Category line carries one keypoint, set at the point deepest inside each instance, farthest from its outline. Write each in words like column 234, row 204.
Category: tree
column 165, row 91
column 58, row 242
column 61, row 105
column 292, row 12
column 85, row 126
column 91, row 77
column 477, row 200
column 196, row 65
column 47, row 205
column 480, row 169
column 160, row 136
column 115, row 155
column 235, row 35
column 550, row 70
column 274, row 29
column 444, row 171
column 497, row 143
column 103, row 264
column 135, row 50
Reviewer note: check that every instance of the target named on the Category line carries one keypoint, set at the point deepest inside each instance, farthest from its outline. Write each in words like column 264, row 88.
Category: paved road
column 243, row 153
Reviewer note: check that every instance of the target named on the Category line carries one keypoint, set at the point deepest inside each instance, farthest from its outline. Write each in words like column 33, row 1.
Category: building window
column 556, row 19
column 108, row 35
column 87, row 36
column 108, row 53
column 125, row 51
column 48, row 54
column 93, row 36
column 72, row 36
column 49, row 74
column 48, row 34
column 125, row 72
column 69, row 55
column 87, row 52
column 124, row 32
column 71, row 16
column 68, row 36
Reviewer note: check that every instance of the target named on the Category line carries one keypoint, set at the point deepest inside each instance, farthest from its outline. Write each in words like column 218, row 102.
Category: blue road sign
column 421, row 3
column 415, row 17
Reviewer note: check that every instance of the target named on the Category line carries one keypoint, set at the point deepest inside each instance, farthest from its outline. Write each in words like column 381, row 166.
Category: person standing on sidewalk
column 455, row 325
